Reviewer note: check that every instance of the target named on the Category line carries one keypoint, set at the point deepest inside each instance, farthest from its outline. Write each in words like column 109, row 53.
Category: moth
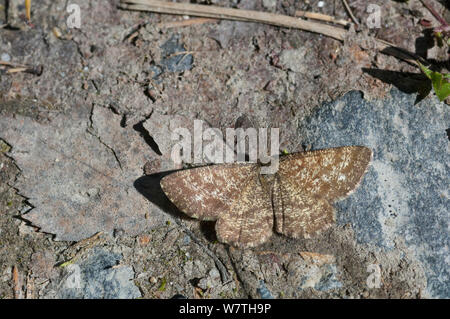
column 296, row 201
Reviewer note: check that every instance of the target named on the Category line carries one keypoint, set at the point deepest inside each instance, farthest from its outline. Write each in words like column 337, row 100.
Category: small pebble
column 214, row 273
column 263, row 291
column 269, row 4
column 57, row 32
column 203, row 283
column 186, row 241
column 5, row 57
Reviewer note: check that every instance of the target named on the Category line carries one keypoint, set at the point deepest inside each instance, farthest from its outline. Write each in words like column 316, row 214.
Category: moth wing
column 249, row 220
column 206, row 192
column 309, row 183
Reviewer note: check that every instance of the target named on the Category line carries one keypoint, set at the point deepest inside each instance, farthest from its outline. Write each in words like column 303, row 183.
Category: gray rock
column 214, row 274
column 5, row 57
column 96, row 277
column 269, row 4
column 263, row 292
column 405, row 193
column 293, row 60
column 173, row 60
column 84, row 181
column 321, row 278
column 199, row 268
column 203, row 283
column 186, row 240
column 328, row 280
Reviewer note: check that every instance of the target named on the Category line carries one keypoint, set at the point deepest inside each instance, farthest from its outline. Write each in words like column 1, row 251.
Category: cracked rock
column 83, row 180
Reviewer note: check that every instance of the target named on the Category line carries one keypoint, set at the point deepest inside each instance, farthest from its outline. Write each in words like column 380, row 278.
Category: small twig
column 434, row 13
column 182, row 58
column 13, row 65
column 262, row 17
column 17, row 283
column 15, row 68
column 77, row 250
column 185, row 23
column 34, row 70
column 87, row 242
column 232, row 14
column 350, row 13
column 400, row 53
column 321, row 17
column 180, row 53
column 28, row 9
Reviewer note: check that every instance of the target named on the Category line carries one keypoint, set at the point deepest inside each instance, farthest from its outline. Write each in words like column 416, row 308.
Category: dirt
column 271, row 76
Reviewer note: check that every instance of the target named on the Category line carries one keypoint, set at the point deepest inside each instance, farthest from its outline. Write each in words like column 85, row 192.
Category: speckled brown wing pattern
column 298, row 197
column 207, row 192
column 231, row 194
column 249, row 222
column 307, row 185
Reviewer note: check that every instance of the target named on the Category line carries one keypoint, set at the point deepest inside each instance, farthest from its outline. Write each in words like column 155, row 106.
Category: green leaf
column 436, row 79
column 439, row 81
column 440, row 39
column 426, row 70
column 162, row 287
column 444, row 92
column 67, row 263
column 440, row 86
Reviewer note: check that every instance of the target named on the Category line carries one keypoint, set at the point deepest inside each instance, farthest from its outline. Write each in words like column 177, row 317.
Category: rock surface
column 98, row 276
column 78, row 173
column 405, row 192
